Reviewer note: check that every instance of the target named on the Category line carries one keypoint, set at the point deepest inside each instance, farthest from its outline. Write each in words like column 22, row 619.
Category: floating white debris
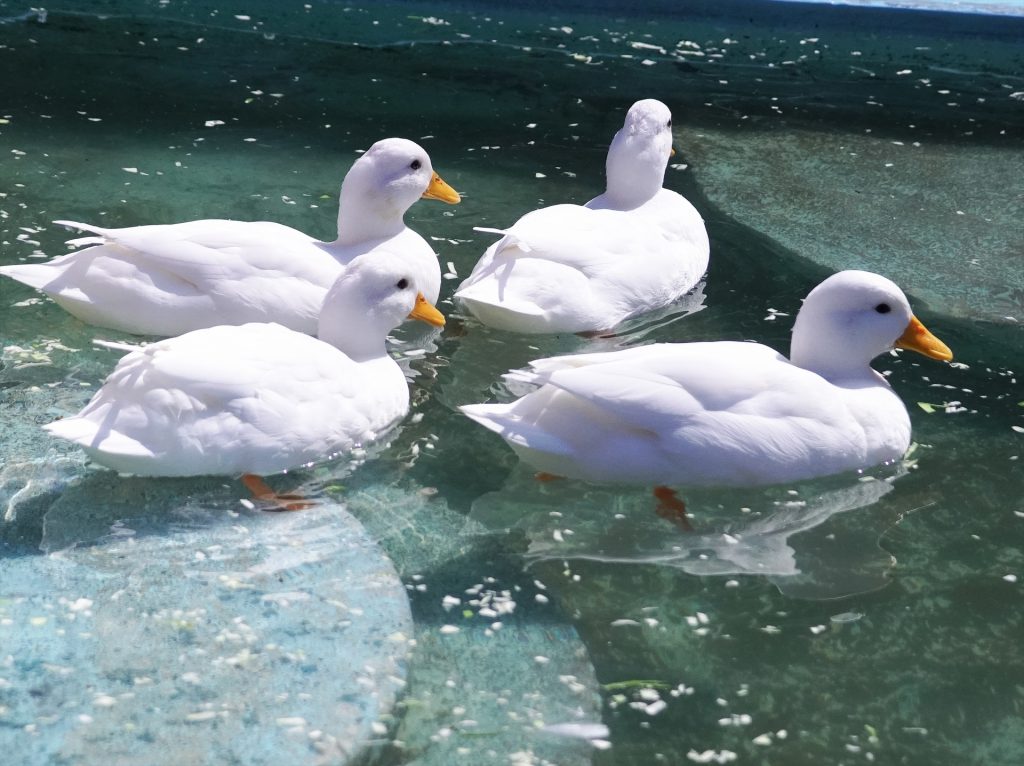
column 656, row 707
column 213, row 123
column 449, row 629
column 736, row 719
column 647, row 47
column 581, row 730
column 1010, row 578
column 80, row 605
column 712, row 756
column 846, row 617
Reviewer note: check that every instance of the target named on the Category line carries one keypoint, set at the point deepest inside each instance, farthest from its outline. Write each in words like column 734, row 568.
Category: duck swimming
column 586, row 268
column 259, row 398
column 171, row 279
column 726, row 413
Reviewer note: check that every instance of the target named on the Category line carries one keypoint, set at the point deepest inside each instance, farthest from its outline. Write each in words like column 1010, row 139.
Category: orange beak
column 425, row 312
column 438, row 189
column 917, row 338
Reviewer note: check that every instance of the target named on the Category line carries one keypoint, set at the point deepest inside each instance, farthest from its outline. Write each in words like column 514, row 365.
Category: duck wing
column 726, row 412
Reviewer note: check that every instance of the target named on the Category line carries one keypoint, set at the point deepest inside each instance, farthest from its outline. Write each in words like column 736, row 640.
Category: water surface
column 847, row 620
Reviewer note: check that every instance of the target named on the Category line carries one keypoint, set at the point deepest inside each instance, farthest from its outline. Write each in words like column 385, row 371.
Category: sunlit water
column 441, row 606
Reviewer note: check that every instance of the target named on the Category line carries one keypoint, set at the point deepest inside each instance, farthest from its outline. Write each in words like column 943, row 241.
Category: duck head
column 852, row 317
column 382, row 185
column 639, row 154
column 374, row 294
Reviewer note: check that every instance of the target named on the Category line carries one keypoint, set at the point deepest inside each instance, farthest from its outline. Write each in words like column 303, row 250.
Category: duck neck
column 624, row 193
column 633, row 176
column 366, row 216
column 353, row 335
column 828, row 351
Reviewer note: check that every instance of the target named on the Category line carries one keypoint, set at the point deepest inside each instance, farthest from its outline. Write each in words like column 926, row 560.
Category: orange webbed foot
column 544, row 476
column 671, row 508
column 276, row 502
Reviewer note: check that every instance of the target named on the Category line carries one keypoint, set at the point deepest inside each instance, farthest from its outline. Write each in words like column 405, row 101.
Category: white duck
column 571, row 268
column 259, row 398
column 726, row 413
column 170, row 279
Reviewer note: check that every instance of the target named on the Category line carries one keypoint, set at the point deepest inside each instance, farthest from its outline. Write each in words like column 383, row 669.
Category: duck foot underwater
column 275, row 502
column 671, row 508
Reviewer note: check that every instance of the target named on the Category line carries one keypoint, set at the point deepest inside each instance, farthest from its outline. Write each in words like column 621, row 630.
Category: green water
column 847, row 621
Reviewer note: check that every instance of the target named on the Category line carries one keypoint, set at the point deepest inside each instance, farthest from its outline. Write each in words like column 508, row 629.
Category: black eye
column 402, row 283
column 416, row 164
column 883, row 308
column 668, row 124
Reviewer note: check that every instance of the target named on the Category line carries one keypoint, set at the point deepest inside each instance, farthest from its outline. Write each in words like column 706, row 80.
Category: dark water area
column 847, row 620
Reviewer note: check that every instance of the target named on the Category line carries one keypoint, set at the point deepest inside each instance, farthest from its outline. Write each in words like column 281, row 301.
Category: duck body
column 172, row 279
column 725, row 413
column 579, row 268
column 718, row 413
column 255, row 398
column 175, row 278
column 258, row 398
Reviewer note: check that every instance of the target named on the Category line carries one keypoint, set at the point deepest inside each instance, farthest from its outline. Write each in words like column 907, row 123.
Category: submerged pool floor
column 440, row 606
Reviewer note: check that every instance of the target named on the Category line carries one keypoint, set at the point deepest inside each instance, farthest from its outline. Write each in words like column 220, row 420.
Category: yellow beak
column 438, row 189
column 425, row 312
column 917, row 338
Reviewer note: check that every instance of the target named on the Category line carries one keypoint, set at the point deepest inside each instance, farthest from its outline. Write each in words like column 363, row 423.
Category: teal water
column 847, row 620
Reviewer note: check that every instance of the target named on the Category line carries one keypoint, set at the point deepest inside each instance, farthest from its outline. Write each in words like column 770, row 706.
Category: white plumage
column 259, row 398
column 573, row 268
column 170, row 279
column 726, row 413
